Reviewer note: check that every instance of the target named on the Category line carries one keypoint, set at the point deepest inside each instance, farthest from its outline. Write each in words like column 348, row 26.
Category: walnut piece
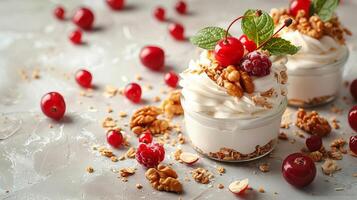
column 146, row 119
column 264, row 167
column 164, row 178
column 125, row 172
column 316, row 156
column 312, row 123
column 201, row 175
column 329, row 167
column 172, row 104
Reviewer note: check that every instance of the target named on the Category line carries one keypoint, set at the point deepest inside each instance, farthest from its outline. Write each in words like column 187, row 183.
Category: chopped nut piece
column 221, row 170
column 316, row 156
column 138, row 77
column 312, row 123
column 114, row 159
column 105, row 152
column 177, row 154
column 122, row 114
column 335, row 155
column 90, row 169
column 125, row 172
column 139, row 186
column 146, row 118
column 220, row 186
column 283, row 136
column 338, row 145
column 329, row 167
column 130, row 153
column 201, row 175
column 110, row 91
column 157, row 99
column 164, row 178
column 264, row 167
column 172, row 104
column 335, row 123
column 109, row 123
column 181, row 139
column 261, row 190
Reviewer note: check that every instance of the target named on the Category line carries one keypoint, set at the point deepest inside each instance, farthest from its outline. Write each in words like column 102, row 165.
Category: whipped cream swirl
column 314, row 53
column 203, row 95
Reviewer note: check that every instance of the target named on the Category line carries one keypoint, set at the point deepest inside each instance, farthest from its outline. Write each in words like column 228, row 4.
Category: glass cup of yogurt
column 226, row 128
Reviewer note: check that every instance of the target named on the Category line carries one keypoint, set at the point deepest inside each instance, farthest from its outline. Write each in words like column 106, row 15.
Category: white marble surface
column 37, row 162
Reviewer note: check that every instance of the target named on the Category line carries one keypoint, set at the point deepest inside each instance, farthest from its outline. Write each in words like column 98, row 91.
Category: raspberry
column 150, row 155
column 256, row 64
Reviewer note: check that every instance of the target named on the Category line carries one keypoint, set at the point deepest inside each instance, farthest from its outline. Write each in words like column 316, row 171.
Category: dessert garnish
column 84, row 78
column 53, row 105
column 201, row 175
column 83, row 18
column 150, row 155
column 312, row 123
column 115, row 138
column 352, row 118
column 164, row 178
column 298, row 170
column 329, row 167
column 145, row 118
column 132, row 91
column 171, row 106
column 152, row 57
column 239, row 187
column 315, row 18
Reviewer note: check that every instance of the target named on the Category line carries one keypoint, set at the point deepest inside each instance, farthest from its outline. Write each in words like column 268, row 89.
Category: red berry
column 84, row 18
column 146, row 137
column 177, row 31
column 181, row 7
column 116, row 4
column 248, row 44
column 353, row 89
column 53, row 105
column 114, row 138
column 76, row 37
column 228, row 51
column 150, row 155
column 314, row 143
column 59, row 12
column 353, row 144
column 298, row 170
column 84, row 78
column 171, row 79
column 159, row 13
column 297, row 5
column 256, row 64
column 152, row 57
column 133, row 92
column 352, row 118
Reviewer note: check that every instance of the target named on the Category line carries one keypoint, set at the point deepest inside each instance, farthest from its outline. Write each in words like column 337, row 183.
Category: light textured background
column 42, row 163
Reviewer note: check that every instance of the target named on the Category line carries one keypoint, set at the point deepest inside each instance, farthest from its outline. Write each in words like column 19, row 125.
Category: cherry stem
column 287, row 23
column 257, row 13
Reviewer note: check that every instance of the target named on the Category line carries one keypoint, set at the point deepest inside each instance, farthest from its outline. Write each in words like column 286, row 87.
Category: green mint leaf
column 258, row 29
column 279, row 46
column 325, row 8
column 208, row 37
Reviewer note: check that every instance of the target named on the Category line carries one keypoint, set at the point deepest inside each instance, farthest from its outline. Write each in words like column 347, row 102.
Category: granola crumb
column 201, row 175
column 329, row 167
column 90, row 169
column 283, row 136
column 354, row 174
column 114, row 159
column 138, row 77
column 110, row 110
column 138, row 186
column 261, row 190
column 221, row 170
column 157, row 99
column 130, row 153
column 123, row 114
column 128, row 171
column 220, row 186
column 264, row 167
column 312, row 123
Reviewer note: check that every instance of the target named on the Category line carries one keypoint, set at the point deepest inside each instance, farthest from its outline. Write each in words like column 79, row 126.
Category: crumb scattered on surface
column 90, row 169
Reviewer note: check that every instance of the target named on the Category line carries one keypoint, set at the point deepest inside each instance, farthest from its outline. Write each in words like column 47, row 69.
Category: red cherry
column 171, row 79
column 159, row 13
column 59, row 12
column 84, row 78
column 314, row 143
column 133, row 92
column 229, row 51
column 177, row 31
column 353, row 89
column 76, row 36
column 114, row 138
column 84, row 18
column 297, row 5
column 248, row 44
column 53, row 105
column 298, row 170
column 116, row 4
column 152, row 57
column 146, row 137
column 150, row 155
column 181, row 7
column 353, row 144
column 352, row 118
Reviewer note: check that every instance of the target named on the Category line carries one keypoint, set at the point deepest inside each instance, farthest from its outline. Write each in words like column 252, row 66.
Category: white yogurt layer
column 314, row 53
column 205, row 96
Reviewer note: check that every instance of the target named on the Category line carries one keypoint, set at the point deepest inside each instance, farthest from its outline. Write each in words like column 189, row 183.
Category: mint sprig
column 257, row 28
column 208, row 37
column 324, row 8
column 279, row 46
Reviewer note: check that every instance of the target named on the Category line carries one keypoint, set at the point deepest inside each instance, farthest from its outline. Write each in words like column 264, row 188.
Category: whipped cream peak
column 206, row 96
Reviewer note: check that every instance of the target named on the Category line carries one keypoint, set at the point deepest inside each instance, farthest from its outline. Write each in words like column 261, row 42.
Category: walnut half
column 164, row 178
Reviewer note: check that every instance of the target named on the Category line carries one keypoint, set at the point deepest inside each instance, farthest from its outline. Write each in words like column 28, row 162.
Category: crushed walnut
column 316, row 156
column 335, row 124
column 312, row 123
column 338, row 145
column 201, row 175
column 164, row 178
column 130, row 153
column 109, row 123
column 177, row 154
column 312, row 26
column 329, row 167
column 105, row 152
column 145, row 118
column 264, row 167
column 138, row 186
column 125, row 172
column 220, row 186
column 172, row 104
column 221, row 170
